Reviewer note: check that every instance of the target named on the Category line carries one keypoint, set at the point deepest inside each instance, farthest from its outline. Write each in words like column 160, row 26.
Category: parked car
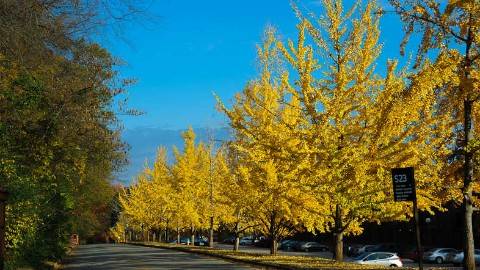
column 229, row 240
column 311, row 246
column 349, row 249
column 247, row 240
column 183, row 241
column 288, row 244
column 262, row 242
column 457, row 258
column 438, row 255
column 360, row 249
column 201, row 241
column 384, row 247
column 379, row 258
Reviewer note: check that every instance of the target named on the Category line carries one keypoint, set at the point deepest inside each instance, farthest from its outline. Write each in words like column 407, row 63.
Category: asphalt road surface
column 118, row 256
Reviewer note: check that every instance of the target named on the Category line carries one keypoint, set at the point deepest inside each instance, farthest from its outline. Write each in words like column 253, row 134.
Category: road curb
column 219, row 256
column 266, row 265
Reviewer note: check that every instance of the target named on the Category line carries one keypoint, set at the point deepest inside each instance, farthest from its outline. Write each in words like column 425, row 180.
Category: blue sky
column 194, row 48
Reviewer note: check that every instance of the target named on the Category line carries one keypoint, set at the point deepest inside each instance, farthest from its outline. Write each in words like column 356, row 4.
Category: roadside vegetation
column 59, row 135
column 315, row 135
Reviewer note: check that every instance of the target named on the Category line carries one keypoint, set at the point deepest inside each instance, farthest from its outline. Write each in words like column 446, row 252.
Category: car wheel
column 393, row 265
column 439, row 260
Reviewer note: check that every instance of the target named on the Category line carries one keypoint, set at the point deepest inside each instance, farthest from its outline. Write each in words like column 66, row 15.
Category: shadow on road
column 111, row 256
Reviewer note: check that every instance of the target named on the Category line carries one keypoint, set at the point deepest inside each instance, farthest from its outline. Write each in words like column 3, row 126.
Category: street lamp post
column 3, row 199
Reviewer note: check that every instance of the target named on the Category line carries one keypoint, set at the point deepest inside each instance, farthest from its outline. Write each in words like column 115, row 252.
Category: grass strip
column 266, row 260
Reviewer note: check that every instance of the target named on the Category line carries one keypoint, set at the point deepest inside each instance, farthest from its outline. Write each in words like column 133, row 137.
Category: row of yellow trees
column 197, row 193
column 315, row 136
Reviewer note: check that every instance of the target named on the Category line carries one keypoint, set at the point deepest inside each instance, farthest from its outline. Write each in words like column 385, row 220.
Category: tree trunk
column 166, row 235
column 469, row 259
column 273, row 247
column 338, row 234
column 237, row 243
column 192, row 236
column 178, row 236
column 273, row 234
column 339, row 246
column 210, row 236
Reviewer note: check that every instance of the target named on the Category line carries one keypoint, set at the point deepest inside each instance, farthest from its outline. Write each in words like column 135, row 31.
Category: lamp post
column 3, row 199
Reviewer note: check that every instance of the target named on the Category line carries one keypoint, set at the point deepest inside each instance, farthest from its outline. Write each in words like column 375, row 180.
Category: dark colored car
column 183, row 241
column 311, row 246
column 288, row 244
column 201, row 241
column 356, row 250
column 410, row 252
column 351, row 249
column 385, row 247
column 263, row 242
column 229, row 240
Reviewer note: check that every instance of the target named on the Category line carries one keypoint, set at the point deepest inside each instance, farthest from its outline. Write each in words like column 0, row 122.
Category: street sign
column 403, row 184
column 404, row 190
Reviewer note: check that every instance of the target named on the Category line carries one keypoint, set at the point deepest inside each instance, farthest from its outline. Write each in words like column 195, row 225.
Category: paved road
column 111, row 256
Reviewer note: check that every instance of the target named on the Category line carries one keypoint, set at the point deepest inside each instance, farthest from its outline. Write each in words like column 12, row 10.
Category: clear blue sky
column 195, row 48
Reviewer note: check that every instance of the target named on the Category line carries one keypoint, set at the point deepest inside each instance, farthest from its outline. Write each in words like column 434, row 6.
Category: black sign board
column 403, row 184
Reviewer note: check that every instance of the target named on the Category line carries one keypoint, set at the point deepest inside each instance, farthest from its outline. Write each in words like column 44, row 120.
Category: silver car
column 379, row 258
column 457, row 258
column 438, row 255
column 247, row 240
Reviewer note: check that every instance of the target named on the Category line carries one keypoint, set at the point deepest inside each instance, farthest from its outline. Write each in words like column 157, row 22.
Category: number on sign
column 400, row 178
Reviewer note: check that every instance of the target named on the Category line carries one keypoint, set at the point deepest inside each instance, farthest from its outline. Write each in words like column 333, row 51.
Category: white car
column 438, row 255
column 379, row 258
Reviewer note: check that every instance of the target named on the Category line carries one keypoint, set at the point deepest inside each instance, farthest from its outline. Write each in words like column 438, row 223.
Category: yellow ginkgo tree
column 191, row 171
column 361, row 124
column 235, row 198
column 147, row 204
column 264, row 118
column 448, row 62
column 324, row 132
